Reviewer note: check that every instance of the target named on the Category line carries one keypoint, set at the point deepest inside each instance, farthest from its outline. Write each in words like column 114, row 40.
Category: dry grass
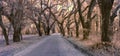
column 93, row 39
column 98, row 48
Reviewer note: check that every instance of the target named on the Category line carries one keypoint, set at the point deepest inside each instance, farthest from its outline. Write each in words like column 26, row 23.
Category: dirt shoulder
column 93, row 47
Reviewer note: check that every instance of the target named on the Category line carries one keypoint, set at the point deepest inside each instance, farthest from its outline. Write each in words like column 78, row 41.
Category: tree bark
column 62, row 29
column 17, row 29
column 3, row 27
column 86, row 24
column 105, row 27
column 4, row 31
column 16, row 35
column 48, row 30
column 38, row 29
column 86, row 30
column 105, row 7
column 77, row 31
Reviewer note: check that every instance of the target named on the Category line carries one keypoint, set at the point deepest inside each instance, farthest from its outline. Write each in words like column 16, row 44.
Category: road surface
column 51, row 46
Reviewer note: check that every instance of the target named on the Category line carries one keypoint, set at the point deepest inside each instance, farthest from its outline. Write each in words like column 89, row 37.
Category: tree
column 15, row 17
column 86, row 22
column 40, row 15
column 59, row 16
column 33, row 16
column 105, row 8
column 48, row 21
column 3, row 27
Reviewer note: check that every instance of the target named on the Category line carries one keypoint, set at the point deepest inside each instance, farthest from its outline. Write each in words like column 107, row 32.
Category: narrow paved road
column 51, row 46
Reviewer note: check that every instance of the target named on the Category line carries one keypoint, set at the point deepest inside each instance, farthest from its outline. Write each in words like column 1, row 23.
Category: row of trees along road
column 68, row 17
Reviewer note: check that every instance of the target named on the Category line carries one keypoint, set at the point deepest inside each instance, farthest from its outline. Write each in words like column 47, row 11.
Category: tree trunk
column 21, row 33
column 16, row 35
column 68, row 30
column 77, row 30
column 38, row 29
column 17, row 30
column 4, row 31
column 62, row 29
column 6, row 36
column 48, row 31
column 76, row 25
column 85, row 34
column 86, row 30
column 106, row 28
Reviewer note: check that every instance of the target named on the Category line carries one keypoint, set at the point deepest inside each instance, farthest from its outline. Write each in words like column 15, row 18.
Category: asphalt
column 51, row 46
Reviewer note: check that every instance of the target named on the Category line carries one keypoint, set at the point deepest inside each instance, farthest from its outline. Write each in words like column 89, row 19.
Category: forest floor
column 94, row 46
column 13, row 48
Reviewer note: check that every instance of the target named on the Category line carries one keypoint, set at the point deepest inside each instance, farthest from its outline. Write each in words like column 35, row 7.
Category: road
column 51, row 46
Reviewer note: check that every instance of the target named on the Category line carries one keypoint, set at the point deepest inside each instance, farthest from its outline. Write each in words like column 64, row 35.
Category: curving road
column 51, row 46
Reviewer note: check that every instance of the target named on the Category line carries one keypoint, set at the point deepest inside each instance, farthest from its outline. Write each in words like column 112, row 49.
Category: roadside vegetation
column 93, row 23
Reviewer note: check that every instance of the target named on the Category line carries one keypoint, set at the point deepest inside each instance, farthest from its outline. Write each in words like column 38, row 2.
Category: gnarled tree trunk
column 16, row 34
column 4, row 31
column 105, row 7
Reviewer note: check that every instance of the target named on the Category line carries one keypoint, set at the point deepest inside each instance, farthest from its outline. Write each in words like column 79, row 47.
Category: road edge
column 79, row 48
